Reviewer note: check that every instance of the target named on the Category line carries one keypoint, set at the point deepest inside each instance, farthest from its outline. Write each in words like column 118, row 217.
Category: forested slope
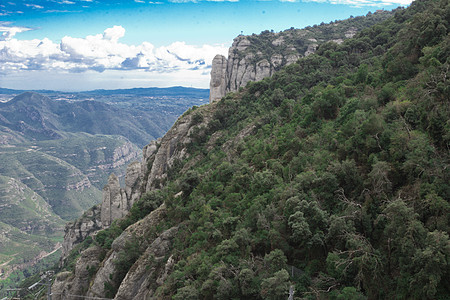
column 331, row 176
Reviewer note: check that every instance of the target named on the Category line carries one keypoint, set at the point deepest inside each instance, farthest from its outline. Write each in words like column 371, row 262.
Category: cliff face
column 254, row 57
column 244, row 65
column 158, row 157
column 115, row 204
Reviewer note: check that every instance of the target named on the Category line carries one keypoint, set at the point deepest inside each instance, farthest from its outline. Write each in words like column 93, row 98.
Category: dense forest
column 330, row 178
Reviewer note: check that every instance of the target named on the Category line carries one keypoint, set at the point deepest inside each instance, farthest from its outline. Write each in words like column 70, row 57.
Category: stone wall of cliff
column 116, row 203
column 141, row 177
column 254, row 57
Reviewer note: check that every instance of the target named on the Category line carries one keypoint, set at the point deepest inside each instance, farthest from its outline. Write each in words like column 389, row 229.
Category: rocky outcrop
column 92, row 271
column 134, row 232
column 162, row 154
column 76, row 232
column 77, row 283
column 217, row 84
column 254, row 57
column 114, row 202
column 245, row 64
column 117, row 202
column 148, row 275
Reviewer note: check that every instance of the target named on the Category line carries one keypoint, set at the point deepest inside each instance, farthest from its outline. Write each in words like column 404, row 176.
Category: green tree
column 275, row 287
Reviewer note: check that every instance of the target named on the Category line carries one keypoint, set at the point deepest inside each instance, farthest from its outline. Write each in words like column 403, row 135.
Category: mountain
column 56, row 154
column 175, row 91
column 329, row 179
column 164, row 105
column 28, row 226
column 254, row 57
column 37, row 117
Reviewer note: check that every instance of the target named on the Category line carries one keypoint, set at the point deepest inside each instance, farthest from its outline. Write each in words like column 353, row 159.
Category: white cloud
column 101, row 52
column 34, row 6
column 8, row 32
column 66, row 2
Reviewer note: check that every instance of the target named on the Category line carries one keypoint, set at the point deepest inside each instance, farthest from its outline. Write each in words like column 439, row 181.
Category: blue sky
column 88, row 44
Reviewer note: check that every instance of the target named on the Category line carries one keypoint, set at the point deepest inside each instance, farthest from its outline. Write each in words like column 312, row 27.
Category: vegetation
column 344, row 175
column 295, row 41
column 331, row 177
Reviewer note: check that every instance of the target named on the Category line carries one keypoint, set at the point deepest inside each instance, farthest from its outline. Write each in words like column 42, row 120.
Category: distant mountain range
column 176, row 91
column 57, row 150
column 38, row 117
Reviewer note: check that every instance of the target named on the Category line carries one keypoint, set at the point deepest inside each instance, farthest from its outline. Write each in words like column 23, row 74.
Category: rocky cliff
column 116, row 203
column 158, row 157
column 254, row 57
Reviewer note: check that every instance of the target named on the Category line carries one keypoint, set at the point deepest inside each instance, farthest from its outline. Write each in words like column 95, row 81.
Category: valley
column 57, row 151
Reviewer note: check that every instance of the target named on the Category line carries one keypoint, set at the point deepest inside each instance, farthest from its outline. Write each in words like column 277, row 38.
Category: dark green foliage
column 105, row 237
column 145, row 205
column 332, row 176
column 342, row 175
column 197, row 118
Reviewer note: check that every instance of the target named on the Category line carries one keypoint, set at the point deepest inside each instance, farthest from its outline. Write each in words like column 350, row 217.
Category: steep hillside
column 29, row 228
column 48, row 181
column 25, row 209
column 330, row 179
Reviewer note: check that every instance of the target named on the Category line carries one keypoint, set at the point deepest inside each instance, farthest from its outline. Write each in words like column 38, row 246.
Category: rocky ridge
column 141, row 177
column 254, row 57
column 115, row 204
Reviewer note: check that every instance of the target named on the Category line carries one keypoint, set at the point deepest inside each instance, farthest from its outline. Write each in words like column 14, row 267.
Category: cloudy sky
column 74, row 45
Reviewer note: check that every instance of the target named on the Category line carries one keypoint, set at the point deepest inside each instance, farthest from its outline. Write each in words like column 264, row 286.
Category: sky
column 76, row 45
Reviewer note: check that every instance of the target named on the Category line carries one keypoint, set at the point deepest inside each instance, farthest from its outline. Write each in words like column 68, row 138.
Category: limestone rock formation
column 146, row 277
column 117, row 202
column 67, row 283
column 76, row 232
column 252, row 58
column 135, row 231
column 218, row 73
column 114, row 205
column 244, row 65
column 161, row 155
column 91, row 272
